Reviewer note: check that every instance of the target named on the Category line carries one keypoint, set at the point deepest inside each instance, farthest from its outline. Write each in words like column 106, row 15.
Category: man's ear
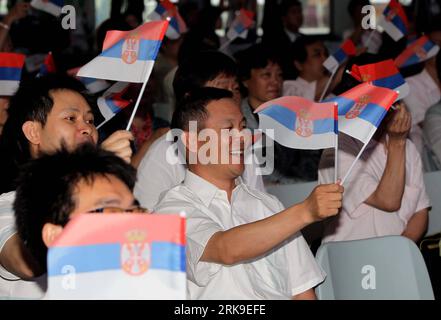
column 50, row 233
column 190, row 140
column 31, row 130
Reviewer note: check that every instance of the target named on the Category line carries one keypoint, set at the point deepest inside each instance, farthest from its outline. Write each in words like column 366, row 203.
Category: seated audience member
column 162, row 168
column 425, row 91
column 385, row 193
column 367, row 38
column 241, row 243
column 87, row 180
column 307, row 55
column 261, row 76
column 45, row 114
column 432, row 138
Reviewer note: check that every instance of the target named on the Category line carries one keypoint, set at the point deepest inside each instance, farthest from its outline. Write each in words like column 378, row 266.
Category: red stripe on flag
column 349, row 47
column 117, row 228
column 12, row 60
column 374, row 71
column 154, row 30
column 398, row 9
column 410, row 51
column 382, row 97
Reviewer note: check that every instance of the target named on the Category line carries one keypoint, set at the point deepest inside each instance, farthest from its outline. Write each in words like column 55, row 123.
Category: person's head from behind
column 54, row 188
column 212, row 125
column 206, row 69
column 307, row 55
column 292, row 14
column 261, row 74
column 355, row 10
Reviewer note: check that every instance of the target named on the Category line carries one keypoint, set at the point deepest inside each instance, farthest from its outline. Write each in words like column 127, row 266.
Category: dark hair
column 353, row 4
column 288, row 4
column 255, row 57
column 298, row 50
column 32, row 102
column 193, row 73
column 46, row 185
column 193, row 106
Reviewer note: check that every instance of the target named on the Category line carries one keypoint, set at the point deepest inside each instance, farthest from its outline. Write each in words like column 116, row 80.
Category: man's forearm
column 389, row 193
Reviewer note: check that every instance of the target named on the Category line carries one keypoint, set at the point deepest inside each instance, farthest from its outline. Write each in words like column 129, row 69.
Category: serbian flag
column 241, row 24
column 50, row 6
column 382, row 74
column 127, row 55
column 112, row 101
column 361, row 110
column 165, row 10
column 347, row 49
column 11, row 65
column 119, row 256
column 48, row 65
column 298, row 123
column 394, row 20
column 418, row 51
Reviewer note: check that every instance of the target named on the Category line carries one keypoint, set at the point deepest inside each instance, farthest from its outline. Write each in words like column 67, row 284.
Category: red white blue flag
column 298, row 123
column 418, row 51
column 241, row 24
column 113, row 101
column 394, row 20
column 50, row 6
column 127, row 56
column 165, row 10
column 346, row 50
column 11, row 65
column 119, row 256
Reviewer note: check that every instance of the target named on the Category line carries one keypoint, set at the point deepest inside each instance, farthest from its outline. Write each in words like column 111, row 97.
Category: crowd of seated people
column 242, row 243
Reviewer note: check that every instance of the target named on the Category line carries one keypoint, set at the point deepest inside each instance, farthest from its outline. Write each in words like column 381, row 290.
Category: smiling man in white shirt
column 241, row 243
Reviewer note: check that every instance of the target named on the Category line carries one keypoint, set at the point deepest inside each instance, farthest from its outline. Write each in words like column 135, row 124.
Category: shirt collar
column 206, row 191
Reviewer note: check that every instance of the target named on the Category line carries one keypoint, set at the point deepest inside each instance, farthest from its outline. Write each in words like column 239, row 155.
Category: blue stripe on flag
column 396, row 21
column 87, row 81
column 344, row 104
column 160, row 9
column 148, row 50
column 10, row 74
column 324, row 126
column 428, row 46
column 101, row 257
column 112, row 106
column 373, row 113
column 391, row 82
column 59, row 3
column 340, row 56
column 284, row 116
column 413, row 59
column 239, row 28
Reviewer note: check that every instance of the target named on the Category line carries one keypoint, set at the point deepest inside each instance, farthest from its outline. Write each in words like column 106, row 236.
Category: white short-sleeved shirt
column 432, row 137
column 300, row 88
column 11, row 286
column 358, row 220
column 423, row 94
column 163, row 168
column 285, row 271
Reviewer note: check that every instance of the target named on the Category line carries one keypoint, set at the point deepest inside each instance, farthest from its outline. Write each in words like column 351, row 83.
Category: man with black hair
column 87, row 180
column 44, row 115
column 162, row 166
column 241, row 243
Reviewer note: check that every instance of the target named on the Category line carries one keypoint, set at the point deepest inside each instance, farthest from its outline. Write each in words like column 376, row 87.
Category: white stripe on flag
column 331, row 63
column 48, row 7
column 106, row 112
column 8, row 88
column 115, row 284
column 115, row 69
column 290, row 139
column 432, row 52
column 403, row 90
column 97, row 86
column 391, row 29
column 358, row 128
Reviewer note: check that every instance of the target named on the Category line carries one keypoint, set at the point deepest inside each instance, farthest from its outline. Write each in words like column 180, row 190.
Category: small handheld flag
column 165, row 10
column 127, row 55
column 48, row 65
column 418, row 51
column 299, row 123
column 112, row 101
column 362, row 108
column 119, row 256
column 50, row 6
column 241, row 24
column 92, row 85
column 394, row 20
column 11, row 65
column 347, row 49
column 382, row 74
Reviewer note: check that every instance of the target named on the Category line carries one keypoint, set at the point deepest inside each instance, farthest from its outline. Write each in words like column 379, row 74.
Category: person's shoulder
column 7, row 199
column 265, row 197
column 177, row 199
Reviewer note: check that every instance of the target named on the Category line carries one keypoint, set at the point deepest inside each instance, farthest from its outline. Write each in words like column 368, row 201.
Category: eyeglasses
column 136, row 209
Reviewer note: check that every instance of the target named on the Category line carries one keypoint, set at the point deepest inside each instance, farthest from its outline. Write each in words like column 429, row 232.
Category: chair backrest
column 432, row 181
column 378, row 268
